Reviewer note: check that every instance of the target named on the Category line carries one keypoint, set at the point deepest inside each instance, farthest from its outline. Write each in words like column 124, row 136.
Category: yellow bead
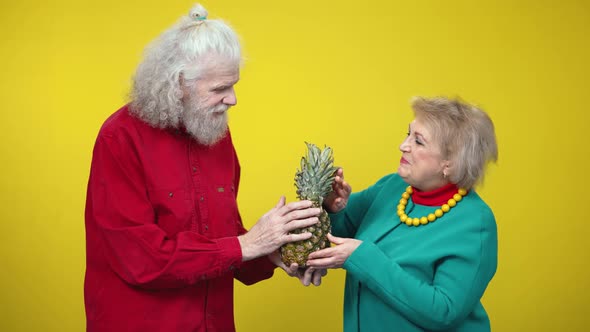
column 404, row 218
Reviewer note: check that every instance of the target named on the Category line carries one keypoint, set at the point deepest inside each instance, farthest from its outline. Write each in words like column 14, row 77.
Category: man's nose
column 230, row 99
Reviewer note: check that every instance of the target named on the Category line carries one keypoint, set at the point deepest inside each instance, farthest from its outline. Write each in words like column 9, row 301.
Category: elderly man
column 164, row 237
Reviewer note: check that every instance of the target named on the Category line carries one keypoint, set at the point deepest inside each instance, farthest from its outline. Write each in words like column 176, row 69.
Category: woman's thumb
column 335, row 239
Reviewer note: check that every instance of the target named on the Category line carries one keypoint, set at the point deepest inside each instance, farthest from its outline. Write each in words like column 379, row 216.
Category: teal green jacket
column 425, row 278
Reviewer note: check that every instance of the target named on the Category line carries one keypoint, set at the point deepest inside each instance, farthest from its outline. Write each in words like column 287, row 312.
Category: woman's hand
column 333, row 257
column 338, row 198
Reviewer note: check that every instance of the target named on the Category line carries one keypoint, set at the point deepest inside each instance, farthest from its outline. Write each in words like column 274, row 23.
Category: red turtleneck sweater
column 434, row 197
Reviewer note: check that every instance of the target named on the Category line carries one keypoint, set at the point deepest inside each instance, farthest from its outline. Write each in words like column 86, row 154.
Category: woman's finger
column 322, row 263
column 335, row 239
column 328, row 252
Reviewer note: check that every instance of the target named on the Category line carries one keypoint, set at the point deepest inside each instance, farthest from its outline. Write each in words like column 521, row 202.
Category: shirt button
column 206, row 227
column 170, row 194
column 202, row 198
column 194, row 169
column 231, row 268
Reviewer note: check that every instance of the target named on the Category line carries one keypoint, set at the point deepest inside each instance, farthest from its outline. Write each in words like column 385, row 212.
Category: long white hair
column 156, row 94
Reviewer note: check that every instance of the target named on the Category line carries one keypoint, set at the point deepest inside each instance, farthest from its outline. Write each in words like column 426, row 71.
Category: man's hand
column 272, row 229
column 312, row 276
column 338, row 198
column 333, row 257
column 306, row 276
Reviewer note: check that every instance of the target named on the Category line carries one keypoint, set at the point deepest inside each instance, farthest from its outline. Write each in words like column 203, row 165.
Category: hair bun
column 198, row 13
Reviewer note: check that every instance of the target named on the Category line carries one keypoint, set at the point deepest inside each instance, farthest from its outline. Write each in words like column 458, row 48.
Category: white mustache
column 218, row 109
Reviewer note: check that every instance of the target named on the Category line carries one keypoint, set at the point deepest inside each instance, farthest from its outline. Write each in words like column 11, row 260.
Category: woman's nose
column 404, row 146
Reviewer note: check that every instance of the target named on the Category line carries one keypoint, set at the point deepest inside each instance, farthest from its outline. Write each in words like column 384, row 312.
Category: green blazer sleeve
column 346, row 222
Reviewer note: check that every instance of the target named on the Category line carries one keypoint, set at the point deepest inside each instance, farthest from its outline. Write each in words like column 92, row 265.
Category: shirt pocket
column 224, row 210
column 173, row 209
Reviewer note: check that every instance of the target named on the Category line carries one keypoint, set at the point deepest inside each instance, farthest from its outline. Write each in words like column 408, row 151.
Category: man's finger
column 293, row 206
column 292, row 270
column 317, row 278
column 297, row 237
column 302, row 213
column 298, row 224
column 306, row 280
column 281, row 202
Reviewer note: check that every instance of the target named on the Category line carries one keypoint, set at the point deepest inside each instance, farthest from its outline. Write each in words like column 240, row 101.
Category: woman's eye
column 419, row 143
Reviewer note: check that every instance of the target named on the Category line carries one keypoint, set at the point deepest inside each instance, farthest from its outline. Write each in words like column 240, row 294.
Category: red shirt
column 161, row 231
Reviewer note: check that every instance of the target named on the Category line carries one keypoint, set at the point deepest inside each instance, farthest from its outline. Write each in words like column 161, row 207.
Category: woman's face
column 422, row 164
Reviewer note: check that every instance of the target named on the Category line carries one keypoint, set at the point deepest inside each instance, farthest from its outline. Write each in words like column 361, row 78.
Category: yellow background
column 339, row 73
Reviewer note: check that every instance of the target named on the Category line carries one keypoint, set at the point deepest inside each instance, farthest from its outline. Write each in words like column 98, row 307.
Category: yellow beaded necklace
column 403, row 217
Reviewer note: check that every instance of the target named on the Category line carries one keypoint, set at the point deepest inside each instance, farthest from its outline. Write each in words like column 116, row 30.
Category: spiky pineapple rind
column 297, row 252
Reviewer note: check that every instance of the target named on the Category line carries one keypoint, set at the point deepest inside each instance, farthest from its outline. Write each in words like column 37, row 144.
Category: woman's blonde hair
column 465, row 135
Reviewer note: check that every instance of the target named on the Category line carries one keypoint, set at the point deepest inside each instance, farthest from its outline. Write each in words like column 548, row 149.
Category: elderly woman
column 420, row 245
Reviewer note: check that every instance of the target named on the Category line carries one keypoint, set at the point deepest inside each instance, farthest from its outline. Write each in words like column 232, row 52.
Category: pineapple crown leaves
column 314, row 179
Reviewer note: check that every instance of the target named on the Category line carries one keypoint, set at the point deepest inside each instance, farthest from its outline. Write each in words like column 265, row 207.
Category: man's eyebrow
column 224, row 84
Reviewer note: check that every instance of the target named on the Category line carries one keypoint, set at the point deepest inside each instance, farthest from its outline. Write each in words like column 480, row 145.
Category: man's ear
column 181, row 84
column 181, row 79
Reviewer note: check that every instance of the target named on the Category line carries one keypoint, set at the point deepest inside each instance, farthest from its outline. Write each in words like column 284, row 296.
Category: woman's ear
column 446, row 169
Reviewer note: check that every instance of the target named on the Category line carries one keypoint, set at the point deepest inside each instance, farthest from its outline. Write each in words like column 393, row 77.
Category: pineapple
column 314, row 183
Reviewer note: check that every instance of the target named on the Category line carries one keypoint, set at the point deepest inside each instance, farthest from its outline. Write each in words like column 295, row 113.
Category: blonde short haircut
column 465, row 135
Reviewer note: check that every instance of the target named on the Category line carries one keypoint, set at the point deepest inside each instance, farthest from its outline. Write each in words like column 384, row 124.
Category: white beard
column 207, row 125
